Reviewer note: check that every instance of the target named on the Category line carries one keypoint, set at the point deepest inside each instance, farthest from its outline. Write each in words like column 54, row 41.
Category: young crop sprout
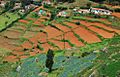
column 49, row 60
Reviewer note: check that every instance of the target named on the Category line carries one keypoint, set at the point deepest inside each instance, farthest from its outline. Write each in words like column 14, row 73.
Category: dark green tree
column 53, row 14
column 49, row 60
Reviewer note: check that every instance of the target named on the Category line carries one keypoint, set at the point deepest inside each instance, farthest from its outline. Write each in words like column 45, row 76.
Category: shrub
column 34, row 15
column 117, row 9
column 77, row 23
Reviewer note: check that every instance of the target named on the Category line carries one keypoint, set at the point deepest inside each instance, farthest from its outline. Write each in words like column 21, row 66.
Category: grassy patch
column 7, row 18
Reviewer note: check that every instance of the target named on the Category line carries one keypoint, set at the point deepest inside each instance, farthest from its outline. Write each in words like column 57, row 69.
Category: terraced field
column 30, row 36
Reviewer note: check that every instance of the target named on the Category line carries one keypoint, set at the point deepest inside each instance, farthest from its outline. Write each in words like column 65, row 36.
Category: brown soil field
column 61, row 27
column 27, row 45
column 24, row 21
column 87, row 35
column 71, row 24
column 101, row 32
column 52, row 32
column 23, row 57
column 11, row 58
column 18, row 53
column 31, row 19
column 28, row 34
column 85, row 23
column 46, row 47
column 32, row 53
column 38, row 37
column 36, row 50
column 7, row 43
column 12, row 34
column 70, row 36
column 61, row 45
column 116, row 14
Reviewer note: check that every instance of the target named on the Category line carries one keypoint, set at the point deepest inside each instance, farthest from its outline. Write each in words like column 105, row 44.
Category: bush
column 77, row 23
column 34, row 15
column 97, row 16
column 117, row 9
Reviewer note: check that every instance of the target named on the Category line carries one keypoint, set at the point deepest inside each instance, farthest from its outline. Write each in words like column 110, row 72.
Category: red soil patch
column 101, row 32
column 32, row 19
column 101, row 19
column 18, row 49
column 59, row 38
column 36, row 50
column 11, row 58
column 52, row 32
column 18, row 53
column 28, row 34
column 23, row 21
column 88, row 24
column 23, row 57
column 32, row 53
column 19, row 27
column 107, row 28
column 6, row 43
column 44, row 17
column 37, row 9
column 37, row 23
column 61, row 27
column 33, row 40
column 60, row 44
column 12, row 34
column 71, row 24
column 41, row 20
column 27, row 45
column 70, row 36
column 116, row 14
column 39, row 37
column 87, row 35
column 46, row 47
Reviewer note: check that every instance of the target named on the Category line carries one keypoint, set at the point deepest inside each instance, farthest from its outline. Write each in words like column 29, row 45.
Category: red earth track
column 86, row 35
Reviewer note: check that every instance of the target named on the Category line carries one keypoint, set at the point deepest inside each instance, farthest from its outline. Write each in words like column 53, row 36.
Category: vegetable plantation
column 68, row 66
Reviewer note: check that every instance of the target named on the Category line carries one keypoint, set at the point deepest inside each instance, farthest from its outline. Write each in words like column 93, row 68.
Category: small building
column 46, row 2
column 17, row 5
column 84, row 11
column 100, row 11
column 42, row 12
column 62, row 14
column 2, row 3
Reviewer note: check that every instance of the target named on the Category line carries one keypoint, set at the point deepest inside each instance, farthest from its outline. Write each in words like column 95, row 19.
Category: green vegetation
column 7, row 18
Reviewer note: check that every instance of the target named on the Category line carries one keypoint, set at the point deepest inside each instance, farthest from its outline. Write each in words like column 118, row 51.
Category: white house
column 62, row 14
column 100, row 11
column 2, row 3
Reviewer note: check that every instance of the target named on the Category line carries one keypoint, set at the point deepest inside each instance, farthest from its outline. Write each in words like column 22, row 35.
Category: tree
column 49, row 60
column 53, row 14
column 88, row 5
